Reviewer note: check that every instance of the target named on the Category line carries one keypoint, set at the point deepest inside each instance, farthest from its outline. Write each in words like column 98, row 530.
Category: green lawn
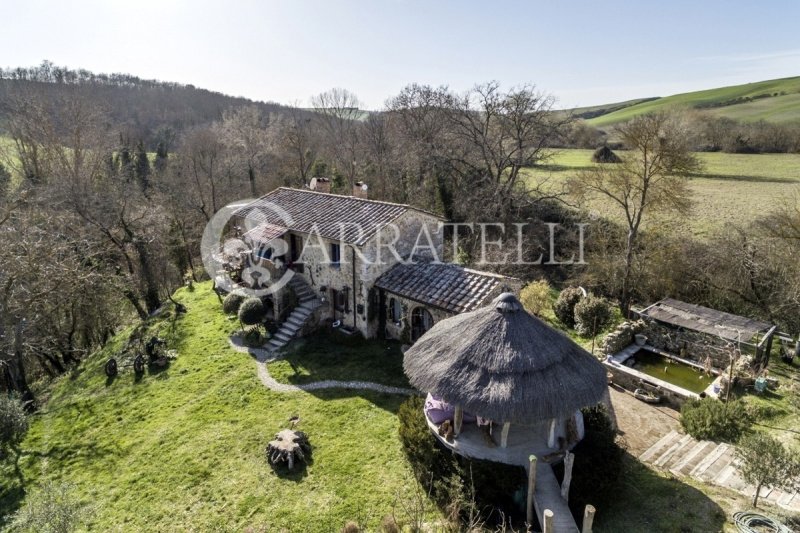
column 184, row 448
column 780, row 407
column 326, row 356
column 771, row 100
column 732, row 188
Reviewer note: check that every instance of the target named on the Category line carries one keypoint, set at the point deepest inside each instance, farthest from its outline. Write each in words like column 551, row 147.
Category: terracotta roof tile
column 349, row 219
column 445, row 285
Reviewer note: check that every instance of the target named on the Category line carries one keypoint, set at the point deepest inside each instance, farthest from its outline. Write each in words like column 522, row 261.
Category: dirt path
column 640, row 424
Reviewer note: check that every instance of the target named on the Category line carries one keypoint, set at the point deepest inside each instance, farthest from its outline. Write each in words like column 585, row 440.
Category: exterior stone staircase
column 710, row 462
column 308, row 302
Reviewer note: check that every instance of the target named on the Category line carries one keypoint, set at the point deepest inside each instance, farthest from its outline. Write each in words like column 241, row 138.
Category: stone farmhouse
column 356, row 264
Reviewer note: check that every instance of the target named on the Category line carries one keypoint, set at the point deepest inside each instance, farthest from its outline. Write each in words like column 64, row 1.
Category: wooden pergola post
column 458, row 419
column 531, row 488
column 551, row 435
column 547, row 521
column 504, row 434
column 568, row 460
column 588, row 519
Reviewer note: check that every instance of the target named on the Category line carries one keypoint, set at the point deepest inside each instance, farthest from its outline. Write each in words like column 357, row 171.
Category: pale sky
column 582, row 52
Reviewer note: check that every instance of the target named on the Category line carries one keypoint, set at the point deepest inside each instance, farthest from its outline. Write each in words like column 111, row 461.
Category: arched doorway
column 421, row 321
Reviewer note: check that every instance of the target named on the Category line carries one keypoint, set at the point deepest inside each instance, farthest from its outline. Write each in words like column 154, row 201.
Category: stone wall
column 630, row 382
column 622, row 336
column 401, row 330
column 691, row 345
column 369, row 261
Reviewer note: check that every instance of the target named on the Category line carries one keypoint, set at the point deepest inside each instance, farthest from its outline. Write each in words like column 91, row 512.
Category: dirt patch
column 640, row 424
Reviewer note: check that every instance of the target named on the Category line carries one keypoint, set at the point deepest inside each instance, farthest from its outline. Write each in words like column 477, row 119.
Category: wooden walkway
column 548, row 496
column 713, row 463
column 522, row 443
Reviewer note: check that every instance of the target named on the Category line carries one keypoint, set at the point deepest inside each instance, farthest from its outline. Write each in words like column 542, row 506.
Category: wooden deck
column 522, row 443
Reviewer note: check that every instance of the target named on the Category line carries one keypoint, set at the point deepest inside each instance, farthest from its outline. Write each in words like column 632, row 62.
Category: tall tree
column 142, row 166
column 340, row 117
column 765, row 462
column 650, row 179
column 244, row 131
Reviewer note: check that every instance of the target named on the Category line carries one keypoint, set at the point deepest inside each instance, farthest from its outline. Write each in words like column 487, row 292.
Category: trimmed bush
column 232, row 302
column 252, row 311
column 535, row 297
column 564, row 308
column 458, row 486
column 712, row 419
column 592, row 315
column 13, row 422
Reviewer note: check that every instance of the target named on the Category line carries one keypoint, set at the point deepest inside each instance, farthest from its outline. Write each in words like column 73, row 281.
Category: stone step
column 296, row 321
column 708, row 460
column 676, row 448
column 300, row 314
column 717, row 466
column 289, row 328
column 275, row 344
column 282, row 336
column 724, row 475
column 692, row 457
column 658, row 447
column 785, row 498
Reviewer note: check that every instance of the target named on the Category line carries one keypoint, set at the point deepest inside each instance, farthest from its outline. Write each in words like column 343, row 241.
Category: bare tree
column 340, row 120
column 297, row 143
column 650, row 179
column 508, row 131
column 244, row 131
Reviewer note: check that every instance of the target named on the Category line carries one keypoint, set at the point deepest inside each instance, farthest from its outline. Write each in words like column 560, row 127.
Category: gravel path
column 263, row 356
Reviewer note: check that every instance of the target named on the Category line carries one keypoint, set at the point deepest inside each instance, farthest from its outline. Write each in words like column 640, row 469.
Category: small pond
column 661, row 367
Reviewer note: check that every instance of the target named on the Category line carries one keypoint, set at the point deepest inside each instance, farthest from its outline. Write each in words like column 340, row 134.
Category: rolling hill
column 776, row 101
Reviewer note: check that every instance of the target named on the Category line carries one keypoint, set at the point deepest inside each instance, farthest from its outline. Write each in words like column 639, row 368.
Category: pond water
column 679, row 374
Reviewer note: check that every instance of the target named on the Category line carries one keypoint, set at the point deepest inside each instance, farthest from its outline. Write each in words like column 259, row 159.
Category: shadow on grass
column 655, row 501
column 387, row 402
column 326, row 356
column 11, row 497
column 300, row 470
column 739, row 177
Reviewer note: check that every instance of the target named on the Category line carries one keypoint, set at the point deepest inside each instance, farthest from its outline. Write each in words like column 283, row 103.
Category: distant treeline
column 707, row 134
column 143, row 108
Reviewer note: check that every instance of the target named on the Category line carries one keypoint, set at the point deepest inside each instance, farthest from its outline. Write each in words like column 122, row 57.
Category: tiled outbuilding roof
column 706, row 320
column 299, row 210
column 265, row 232
column 445, row 285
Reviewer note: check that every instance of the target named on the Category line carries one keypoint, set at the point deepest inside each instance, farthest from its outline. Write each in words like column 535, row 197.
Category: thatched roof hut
column 502, row 363
column 605, row 155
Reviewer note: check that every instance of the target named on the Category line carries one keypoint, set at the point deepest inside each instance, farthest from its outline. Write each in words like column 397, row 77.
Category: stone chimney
column 320, row 184
column 360, row 190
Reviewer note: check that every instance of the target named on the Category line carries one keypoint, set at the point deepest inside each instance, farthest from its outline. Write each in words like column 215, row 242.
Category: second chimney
column 360, row 190
column 320, row 184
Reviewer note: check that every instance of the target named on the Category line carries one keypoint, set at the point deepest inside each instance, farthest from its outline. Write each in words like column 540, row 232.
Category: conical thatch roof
column 604, row 154
column 502, row 363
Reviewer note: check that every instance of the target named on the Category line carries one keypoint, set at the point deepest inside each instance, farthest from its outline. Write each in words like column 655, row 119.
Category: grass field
column 772, row 100
column 183, row 449
column 323, row 357
column 731, row 189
